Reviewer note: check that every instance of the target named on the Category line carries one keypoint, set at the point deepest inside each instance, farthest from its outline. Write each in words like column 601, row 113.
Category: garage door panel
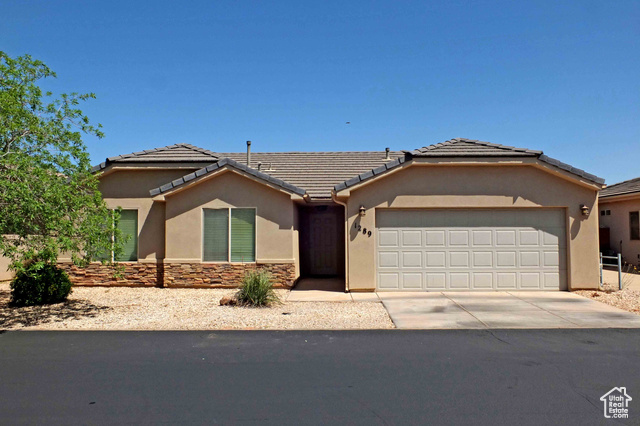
column 458, row 238
column 483, row 280
column 553, row 238
column 412, row 281
column 551, row 280
column 530, row 280
column 411, row 238
column 506, row 259
column 459, row 259
column 388, row 238
column 482, row 238
column 388, row 280
column 459, row 280
column 530, row 259
column 529, row 237
column 435, row 238
column 471, row 249
column 436, row 259
column 388, row 259
column 551, row 259
column 412, row 259
column 482, row 259
column 506, row 280
column 505, row 238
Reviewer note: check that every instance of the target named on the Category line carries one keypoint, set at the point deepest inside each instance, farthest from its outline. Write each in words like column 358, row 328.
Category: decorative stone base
column 181, row 275
column 124, row 274
column 224, row 275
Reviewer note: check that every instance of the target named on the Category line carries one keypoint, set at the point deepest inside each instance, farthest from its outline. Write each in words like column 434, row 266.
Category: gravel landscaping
column 120, row 308
column 627, row 299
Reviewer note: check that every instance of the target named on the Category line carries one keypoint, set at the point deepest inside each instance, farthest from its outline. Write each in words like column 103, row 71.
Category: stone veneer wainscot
column 181, row 275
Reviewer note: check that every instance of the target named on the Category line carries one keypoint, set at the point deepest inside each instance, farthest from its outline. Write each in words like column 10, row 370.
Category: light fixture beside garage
column 584, row 209
column 362, row 211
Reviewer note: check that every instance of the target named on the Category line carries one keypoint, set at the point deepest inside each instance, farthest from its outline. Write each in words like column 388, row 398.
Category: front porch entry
column 322, row 256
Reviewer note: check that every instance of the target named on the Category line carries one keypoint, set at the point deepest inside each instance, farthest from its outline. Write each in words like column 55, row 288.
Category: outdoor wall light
column 584, row 209
column 362, row 210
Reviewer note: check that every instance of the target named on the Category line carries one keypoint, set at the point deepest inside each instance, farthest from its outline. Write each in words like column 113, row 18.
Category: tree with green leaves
column 49, row 198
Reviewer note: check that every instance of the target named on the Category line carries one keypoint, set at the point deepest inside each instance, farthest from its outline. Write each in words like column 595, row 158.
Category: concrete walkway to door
column 326, row 290
column 481, row 310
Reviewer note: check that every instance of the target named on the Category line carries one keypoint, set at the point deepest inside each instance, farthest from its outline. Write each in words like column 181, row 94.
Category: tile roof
column 178, row 153
column 460, row 147
column 627, row 187
column 317, row 172
column 220, row 164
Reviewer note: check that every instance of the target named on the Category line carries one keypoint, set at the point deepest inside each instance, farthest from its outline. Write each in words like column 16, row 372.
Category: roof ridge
column 307, row 152
column 476, row 142
column 164, row 148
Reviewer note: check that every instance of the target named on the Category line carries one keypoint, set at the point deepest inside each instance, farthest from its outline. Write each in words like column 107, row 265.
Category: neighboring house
column 620, row 219
column 458, row 215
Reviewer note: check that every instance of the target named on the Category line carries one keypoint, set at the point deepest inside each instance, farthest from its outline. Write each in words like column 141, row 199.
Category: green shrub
column 257, row 289
column 39, row 285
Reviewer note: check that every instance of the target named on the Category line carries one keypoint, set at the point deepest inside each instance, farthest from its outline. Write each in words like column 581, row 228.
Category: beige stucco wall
column 484, row 186
column 618, row 224
column 275, row 217
column 129, row 189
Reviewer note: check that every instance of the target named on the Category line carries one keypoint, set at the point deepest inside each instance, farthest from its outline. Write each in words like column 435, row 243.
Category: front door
column 322, row 244
column 322, row 240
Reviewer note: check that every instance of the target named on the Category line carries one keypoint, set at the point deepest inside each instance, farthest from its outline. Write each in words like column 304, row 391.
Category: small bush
column 40, row 285
column 257, row 289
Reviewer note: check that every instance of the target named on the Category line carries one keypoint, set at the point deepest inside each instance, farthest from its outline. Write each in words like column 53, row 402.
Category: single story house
column 620, row 220
column 457, row 215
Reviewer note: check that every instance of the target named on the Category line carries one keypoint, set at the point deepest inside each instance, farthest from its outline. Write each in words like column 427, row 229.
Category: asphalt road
column 479, row 377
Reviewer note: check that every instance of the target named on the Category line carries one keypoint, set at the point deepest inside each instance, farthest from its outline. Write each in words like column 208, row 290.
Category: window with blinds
column 229, row 235
column 216, row 235
column 128, row 226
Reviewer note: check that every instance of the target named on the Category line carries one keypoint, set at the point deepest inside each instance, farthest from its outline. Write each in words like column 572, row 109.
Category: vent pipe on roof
column 386, row 153
column 248, row 153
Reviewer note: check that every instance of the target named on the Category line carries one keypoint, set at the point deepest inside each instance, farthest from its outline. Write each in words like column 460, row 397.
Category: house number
column 364, row 230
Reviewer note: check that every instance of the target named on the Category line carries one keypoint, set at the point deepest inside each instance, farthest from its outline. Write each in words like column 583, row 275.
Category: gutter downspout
column 346, row 241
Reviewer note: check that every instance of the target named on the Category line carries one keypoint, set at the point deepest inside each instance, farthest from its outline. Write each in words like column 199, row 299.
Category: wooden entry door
column 323, row 243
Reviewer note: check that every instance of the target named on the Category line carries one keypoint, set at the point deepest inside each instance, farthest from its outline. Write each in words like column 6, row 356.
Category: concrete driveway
column 482, row 310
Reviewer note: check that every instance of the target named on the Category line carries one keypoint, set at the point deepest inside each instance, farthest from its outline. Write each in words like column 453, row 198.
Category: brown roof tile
column 178, row 153
column 627, row 187
column 316, row 172
column 460, row 147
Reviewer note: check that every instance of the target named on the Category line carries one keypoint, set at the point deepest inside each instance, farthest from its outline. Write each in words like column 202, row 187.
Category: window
column 229, row 234
column 634, row 225
column 128, row 226
column 605, row 212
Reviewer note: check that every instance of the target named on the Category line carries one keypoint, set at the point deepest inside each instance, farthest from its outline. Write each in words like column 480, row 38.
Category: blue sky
column 559, row 76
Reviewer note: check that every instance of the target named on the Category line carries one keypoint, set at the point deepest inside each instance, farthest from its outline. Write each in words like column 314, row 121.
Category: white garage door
column 471, row 249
